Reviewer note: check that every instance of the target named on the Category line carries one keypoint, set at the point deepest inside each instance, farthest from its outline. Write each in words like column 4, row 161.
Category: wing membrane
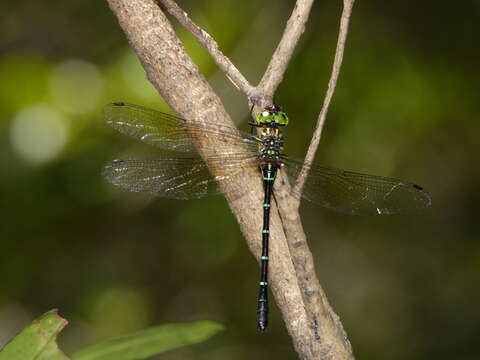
column 170, row 132
column 176, row 178
column 358, row 194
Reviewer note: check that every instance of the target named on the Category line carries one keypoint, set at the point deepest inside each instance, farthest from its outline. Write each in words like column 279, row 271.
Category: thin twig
column 342, row 37
column 281, row 58
column 209, row 43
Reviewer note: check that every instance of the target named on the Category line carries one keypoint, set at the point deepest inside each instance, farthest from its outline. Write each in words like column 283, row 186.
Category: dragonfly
column 182, row 172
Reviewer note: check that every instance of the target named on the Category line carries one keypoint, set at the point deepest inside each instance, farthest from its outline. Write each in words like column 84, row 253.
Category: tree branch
column 315, row 329
column 209, row 43
column 332, row 83
column 323, row 320
column 278, row 64
column 281, row 58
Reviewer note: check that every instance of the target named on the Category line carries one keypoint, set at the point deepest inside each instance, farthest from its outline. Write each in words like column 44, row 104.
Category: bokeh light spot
column 38, row 133
column 76, row 86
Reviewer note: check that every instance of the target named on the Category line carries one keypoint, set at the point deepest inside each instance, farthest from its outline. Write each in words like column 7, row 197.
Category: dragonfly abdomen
column 269, row 171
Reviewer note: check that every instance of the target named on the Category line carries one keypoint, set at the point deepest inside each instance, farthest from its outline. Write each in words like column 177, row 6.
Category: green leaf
column 37, row 341
column 149, row 342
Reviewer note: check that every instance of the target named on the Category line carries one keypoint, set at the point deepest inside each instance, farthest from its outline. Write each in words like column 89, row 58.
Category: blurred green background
column 405, row 287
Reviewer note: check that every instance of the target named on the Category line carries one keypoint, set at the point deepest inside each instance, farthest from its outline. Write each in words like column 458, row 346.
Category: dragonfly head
column 272, row 115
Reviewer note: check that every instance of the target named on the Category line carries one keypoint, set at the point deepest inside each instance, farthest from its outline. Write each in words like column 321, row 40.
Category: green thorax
column 272, row 116
column 271, row 121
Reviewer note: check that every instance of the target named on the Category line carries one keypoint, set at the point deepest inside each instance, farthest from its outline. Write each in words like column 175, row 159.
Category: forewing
column 176, row 178
column 358, row 194
column 169, row 132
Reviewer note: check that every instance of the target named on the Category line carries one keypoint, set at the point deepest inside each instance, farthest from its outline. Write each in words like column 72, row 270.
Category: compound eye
column 265, row 113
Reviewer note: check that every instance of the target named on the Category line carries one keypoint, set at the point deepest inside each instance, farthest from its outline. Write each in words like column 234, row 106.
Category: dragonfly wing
column 358, row 194
column 175, row 178
column 167, row 131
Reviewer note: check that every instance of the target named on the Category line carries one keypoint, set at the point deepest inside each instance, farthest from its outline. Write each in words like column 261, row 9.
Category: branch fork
column 316, row 330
